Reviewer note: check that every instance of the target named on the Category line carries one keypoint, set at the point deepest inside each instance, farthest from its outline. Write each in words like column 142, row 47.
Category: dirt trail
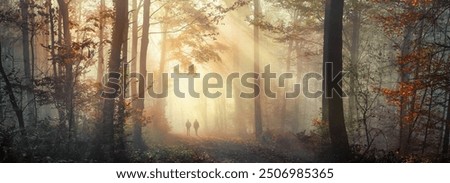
column 228, row 149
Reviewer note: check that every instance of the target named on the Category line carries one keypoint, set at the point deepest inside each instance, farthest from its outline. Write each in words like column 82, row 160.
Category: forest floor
column 182, row 148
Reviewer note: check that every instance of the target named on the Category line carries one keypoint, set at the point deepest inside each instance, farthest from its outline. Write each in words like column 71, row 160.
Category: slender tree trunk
column 32, row 104
column 137, row 128
column 120, row 129
column 56, row 61
column 134, row 64
column 134, row 47
column 333, row 55
column 2, row 116
column 60, row 52
column 258, row 118
column 447, row 131
column 356, row 20
column 442, row 128
column 109, row 105
column 24, row 5
column 64, row 10
column 299, row 113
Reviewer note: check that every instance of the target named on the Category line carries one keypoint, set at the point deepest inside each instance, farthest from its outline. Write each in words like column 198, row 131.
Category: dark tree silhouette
column 332, row 55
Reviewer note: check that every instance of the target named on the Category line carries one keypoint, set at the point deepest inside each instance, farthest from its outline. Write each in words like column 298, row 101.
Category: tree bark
column 54, row 60
column 333, row 55
column 32, row 102
column 137, row 127
column 64, row 10
column 115, row 61
column 24, row 5
column 134, row 47
column 299, row 113
column 120, row 129
column 354, row 52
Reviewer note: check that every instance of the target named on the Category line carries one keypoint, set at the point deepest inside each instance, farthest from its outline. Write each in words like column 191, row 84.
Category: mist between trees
column 212, row 82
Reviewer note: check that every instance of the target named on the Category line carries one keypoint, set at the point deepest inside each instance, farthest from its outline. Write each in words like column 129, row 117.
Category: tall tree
column 101, row 36
column 68, row 65
column 354, row 54
column 332, row 71
column 25, row 28
column 120, row 149
column 55, row 63
column 137, row 128
column 134, row 46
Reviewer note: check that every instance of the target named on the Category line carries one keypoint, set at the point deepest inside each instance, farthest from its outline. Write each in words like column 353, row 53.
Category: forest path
column 239, row 150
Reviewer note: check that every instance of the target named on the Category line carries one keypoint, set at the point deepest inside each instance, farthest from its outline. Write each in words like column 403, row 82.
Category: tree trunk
column 24, row 5
column 120, row 155
column 442, row 128
column 32, row 101
column 137, row 128
column 299, row 113
column 64, row 10
column 55, row 59
column 12, row 99
column 56, row 62
column 134, row 47
column 114, row 67
column 258, row 118
column 333, row 67
column 161, row 102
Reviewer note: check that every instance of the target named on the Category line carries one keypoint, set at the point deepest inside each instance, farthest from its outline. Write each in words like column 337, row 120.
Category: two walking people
column 188, row 127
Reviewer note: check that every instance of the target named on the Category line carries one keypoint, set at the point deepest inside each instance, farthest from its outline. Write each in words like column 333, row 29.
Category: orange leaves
column 318, row 123
column 405, row 90
column 417, row 2
column 391, row 95
column 420, row 58
column 394, row 21
column 395, row 15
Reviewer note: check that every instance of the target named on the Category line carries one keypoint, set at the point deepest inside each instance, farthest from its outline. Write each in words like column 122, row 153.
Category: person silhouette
column 196, row 126
column 188, row 128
